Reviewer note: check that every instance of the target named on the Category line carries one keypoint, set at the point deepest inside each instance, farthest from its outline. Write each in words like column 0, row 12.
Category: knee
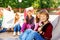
column 28, row 30
column 15, row 27
column 19, row 27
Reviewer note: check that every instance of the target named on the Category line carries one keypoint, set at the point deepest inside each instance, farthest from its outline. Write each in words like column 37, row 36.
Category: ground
column 8, row 36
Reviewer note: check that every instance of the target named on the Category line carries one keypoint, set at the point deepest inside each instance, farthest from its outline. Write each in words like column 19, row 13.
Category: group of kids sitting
column 38, row 28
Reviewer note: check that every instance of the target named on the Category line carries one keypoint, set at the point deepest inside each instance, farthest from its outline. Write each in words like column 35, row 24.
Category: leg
column 20, row 37
column 34, row 35
column 15, row 28
column 4, row 30
column 38, row 36
column 25, row 34
column 19, row 27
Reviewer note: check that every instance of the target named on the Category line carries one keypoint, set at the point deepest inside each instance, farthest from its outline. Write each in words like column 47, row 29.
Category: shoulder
column 50, row 25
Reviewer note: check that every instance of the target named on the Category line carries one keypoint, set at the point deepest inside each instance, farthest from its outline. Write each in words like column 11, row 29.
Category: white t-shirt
column 8, row 17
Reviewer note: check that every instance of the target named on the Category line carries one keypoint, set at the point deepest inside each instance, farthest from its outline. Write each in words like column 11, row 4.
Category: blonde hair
column 16, row 19
column 45, row 12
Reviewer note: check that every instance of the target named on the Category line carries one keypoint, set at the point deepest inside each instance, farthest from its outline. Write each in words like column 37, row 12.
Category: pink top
column 36, row 25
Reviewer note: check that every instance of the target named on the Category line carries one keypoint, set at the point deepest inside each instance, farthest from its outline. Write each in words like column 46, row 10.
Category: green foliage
column 36, row 4
column 28, row 3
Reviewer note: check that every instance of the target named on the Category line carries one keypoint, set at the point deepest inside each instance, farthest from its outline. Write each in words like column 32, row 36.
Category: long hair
column 16, row 19
column 37, row 19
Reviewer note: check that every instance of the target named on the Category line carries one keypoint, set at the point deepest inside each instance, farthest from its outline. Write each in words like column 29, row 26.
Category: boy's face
column 43, row 17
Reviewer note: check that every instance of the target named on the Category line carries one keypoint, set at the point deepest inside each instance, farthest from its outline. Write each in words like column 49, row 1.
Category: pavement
column 8, row 36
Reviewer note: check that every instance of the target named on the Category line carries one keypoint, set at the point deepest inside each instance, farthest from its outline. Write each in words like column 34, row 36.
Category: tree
column 36, row 4
column 27, row 3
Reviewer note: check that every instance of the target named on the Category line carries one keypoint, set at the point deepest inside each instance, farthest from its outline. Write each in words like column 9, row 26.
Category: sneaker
column 14, row 33
column 18, row 33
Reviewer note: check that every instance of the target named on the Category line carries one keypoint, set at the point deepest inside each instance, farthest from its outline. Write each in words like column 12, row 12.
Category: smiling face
column 29, row 13
column 43, row 17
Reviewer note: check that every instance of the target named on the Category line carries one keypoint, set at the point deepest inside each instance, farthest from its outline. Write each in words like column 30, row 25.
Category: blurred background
column 20, row 5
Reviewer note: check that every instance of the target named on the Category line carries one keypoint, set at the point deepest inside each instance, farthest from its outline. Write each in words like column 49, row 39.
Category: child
column 1, row 20
column 44, row 31
column 17, row 26
column 28, row 22
column 38, row 22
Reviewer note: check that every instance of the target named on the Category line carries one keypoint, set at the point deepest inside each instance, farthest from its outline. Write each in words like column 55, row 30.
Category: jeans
column 30, row 35
column 24, row 35
column 17, row 28
column 3, row 30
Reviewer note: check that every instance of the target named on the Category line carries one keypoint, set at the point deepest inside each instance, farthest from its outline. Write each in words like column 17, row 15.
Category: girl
column 17, row 26
column 29, row 21
column 44, row 31
column 37, row 22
